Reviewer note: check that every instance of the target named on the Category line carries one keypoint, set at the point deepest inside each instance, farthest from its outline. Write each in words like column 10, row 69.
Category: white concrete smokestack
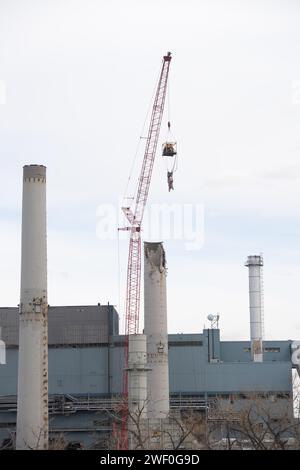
column 155, row 298
column 32, row 416
column 255, row 264
column 137, row 375
column 137, row 387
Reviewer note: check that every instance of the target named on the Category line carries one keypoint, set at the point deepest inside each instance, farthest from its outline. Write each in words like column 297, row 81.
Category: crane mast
column 135, row 218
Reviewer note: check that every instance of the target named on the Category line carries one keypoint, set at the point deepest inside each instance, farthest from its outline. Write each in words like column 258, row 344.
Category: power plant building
column 86, row 370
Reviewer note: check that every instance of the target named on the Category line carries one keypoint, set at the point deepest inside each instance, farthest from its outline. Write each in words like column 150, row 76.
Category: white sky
column 79, row 76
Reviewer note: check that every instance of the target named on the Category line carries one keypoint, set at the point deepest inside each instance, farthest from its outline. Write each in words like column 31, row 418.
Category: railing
column 68, row 404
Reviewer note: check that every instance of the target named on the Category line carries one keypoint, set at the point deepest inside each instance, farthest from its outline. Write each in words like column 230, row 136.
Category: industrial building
column 66, row 366
column 86, row 370
column 68, row 371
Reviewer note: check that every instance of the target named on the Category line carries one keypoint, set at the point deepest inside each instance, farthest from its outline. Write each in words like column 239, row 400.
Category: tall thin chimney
column 137, row 385
column 255, row 264
column 155, row 299
column 32, row 415
column 137, row 375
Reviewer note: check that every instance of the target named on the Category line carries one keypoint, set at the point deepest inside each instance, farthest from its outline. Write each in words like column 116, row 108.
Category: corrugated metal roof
column 67, row 325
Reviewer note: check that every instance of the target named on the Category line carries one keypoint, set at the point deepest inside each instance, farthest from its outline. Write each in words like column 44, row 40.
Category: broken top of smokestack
column 156, row 255
column 155, row 300
column 255, row 264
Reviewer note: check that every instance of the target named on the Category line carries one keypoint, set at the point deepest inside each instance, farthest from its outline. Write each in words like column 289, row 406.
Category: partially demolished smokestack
column 155, row 301
column 255, row 264
column 32, row 415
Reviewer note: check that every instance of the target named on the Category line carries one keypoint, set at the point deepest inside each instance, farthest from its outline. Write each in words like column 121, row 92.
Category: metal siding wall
column 78, row 325
column 186, row 368
column 71, row 370
column 9, row 323
column 116, row 364
column 240, row 377
column 9, row 373
column 85, row 370
column 78, row 370
column 67, row 325
column 116, row 323
column 233, row 351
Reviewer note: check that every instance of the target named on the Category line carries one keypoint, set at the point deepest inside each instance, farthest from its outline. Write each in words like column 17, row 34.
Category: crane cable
column 168, row 99
column 174, row 167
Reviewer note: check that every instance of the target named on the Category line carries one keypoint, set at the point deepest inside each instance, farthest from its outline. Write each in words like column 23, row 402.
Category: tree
column 260, row 422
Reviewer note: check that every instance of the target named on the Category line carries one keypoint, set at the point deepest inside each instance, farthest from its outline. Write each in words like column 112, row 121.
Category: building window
column 271, row 350
column 185, row 343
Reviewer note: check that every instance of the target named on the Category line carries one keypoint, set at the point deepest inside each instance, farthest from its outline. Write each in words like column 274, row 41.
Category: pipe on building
column 32, row 414
column 156, row 330
column 255, row 264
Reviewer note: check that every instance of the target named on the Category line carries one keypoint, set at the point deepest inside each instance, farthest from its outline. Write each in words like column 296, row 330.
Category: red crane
column 135, row 218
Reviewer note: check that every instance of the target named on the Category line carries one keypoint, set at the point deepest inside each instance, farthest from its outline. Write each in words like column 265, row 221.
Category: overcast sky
column 76, row 80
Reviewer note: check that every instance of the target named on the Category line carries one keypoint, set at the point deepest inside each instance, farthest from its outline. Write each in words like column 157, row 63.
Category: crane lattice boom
column 135, row 219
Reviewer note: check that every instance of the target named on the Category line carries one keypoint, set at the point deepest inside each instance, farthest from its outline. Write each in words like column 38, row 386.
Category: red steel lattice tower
column 135, row 218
